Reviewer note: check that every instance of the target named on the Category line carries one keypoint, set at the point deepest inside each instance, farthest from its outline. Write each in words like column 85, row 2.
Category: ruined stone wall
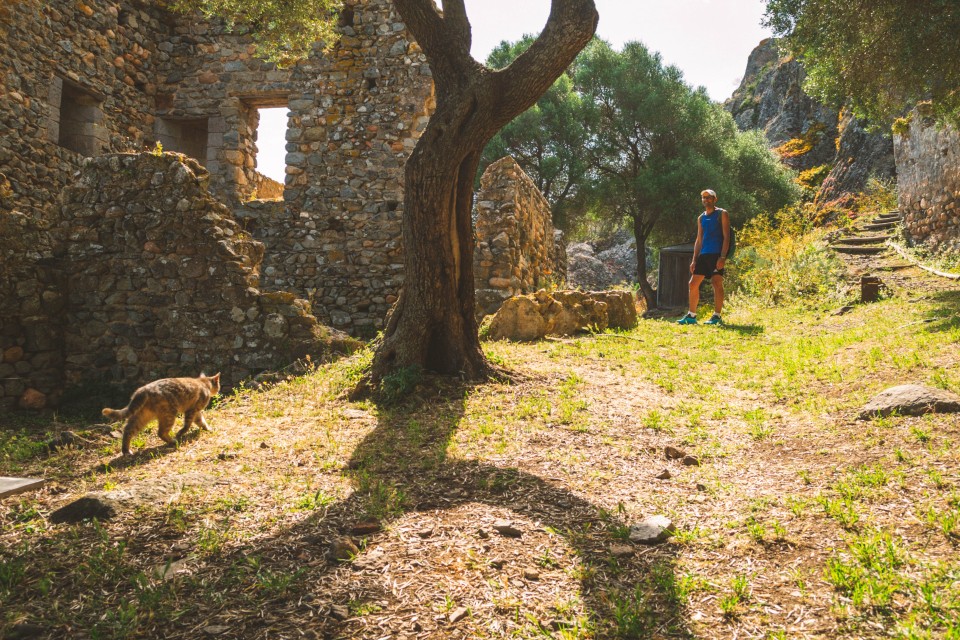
column 516, row 249
column 338, row 242
column 162, row 281
column 31, row 313
column 928, row 181
column 73, row 75
column 208, row 101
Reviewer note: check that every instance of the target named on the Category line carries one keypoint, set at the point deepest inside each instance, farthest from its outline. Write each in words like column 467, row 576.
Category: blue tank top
column 712, row 232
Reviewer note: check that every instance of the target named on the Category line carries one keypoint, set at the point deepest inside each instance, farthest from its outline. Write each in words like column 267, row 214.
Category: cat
column 163, row 400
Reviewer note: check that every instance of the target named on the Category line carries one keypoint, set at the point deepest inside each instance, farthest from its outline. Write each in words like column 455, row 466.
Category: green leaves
column 285, row 30
column 884, row 55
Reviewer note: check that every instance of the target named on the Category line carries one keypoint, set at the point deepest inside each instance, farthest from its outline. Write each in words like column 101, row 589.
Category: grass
column 796, row 505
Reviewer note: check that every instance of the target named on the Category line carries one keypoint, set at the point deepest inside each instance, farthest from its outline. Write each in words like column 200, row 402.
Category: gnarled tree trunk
column 432, row 323
column 641, row 232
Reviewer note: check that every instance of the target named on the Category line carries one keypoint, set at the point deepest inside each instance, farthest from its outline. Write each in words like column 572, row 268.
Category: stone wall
column 517, row 251
column 140, row 75
column 72, row 75
column 339, row 240
column 31, row 309
column 928, row 181
column 162, row 281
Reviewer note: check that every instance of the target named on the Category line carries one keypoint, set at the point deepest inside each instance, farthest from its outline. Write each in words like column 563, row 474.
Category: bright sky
column 709, row 40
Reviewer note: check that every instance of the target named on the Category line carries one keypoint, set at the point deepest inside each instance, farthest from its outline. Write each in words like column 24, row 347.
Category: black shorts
column 707, row 265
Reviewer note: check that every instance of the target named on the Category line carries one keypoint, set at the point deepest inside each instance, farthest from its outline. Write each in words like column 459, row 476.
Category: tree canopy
column 285, row 30
column 635, row 145
column 883, row 55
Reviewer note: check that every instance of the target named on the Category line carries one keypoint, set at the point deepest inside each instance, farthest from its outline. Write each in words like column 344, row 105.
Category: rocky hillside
column 833, row 151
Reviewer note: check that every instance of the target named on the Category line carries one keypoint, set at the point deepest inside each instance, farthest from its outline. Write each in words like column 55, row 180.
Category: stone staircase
column 870, row 238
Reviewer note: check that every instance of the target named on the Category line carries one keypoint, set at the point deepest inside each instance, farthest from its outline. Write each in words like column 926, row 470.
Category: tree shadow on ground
column 402, row 466
column 946, row 313
column 281, row 585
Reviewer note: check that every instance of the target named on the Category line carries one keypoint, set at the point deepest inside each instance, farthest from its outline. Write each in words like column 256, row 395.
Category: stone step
column 887, row 219
column 13, row 486
column 863, row 240
column 854, row 250
column 879, row 225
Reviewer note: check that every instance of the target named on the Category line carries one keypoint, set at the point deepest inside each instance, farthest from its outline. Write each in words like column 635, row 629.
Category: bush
column 783, row 260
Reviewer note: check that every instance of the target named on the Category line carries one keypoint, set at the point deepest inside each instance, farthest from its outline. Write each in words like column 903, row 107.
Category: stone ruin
column 518, row 251
column 162, row 278
column 928, row 181
column 135, row 264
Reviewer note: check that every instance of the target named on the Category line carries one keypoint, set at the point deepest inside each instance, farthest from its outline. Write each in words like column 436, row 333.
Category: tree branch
column 569, row 28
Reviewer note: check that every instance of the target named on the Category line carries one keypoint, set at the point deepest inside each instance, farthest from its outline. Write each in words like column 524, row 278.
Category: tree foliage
column 884, row 55
column 645, row 145
column 548, row 140
column 285, row 30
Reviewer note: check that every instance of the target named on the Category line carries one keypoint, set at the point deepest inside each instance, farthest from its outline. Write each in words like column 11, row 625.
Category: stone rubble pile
column 531, row 317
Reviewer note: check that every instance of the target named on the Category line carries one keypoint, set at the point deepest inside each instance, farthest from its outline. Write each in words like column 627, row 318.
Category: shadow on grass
column 147, row 454
column 946, row 313
column 400, row 467
column 742, row 329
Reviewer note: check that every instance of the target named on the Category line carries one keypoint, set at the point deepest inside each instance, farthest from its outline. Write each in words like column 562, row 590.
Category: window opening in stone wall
column 76, row 119
column 187, row 136
column 346, row 17
column 272, row 143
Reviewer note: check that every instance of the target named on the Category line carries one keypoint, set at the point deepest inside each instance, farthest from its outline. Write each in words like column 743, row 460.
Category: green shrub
column 783, row 260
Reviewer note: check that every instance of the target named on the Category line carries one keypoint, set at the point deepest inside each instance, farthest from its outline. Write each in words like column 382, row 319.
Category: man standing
column 709, row 256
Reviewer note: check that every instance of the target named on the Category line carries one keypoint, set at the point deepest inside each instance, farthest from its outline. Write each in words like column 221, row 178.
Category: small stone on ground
column 911, row 400
column 652, row 530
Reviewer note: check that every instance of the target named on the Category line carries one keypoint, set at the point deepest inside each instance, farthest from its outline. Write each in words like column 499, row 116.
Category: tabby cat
column 163, row 400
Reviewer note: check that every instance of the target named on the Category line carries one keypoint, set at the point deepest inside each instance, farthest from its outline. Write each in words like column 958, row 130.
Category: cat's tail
column 123, row 414
column 117, row 414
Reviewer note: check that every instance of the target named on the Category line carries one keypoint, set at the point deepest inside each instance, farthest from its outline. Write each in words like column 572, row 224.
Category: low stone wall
column 31, row 310
column 162, row 281
column 517, row 251
column 928, row 181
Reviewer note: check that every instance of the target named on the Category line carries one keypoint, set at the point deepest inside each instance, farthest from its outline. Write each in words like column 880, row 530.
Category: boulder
column 518, row 319
column 911, row 400
column 652, row 530
column 621, row 308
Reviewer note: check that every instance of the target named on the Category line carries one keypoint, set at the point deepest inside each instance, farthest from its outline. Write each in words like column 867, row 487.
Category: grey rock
column 652, row 530
column 664, row 475
column 339, row 612
column 25, row 631
column 691, row 461
column 343, row 549
column 673, row 453
column 458, row 614
column 911, row 400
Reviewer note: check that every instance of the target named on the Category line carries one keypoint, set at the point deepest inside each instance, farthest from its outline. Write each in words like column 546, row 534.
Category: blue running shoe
column 687, row 319
column 714, row 319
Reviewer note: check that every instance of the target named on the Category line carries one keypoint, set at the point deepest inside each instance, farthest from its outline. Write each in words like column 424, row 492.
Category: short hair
column 708, row 192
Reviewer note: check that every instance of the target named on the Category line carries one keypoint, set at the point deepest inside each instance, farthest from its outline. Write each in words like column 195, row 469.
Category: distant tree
column 646, row 144
column 548, row 139
column 884, row 55
column 432, row 324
